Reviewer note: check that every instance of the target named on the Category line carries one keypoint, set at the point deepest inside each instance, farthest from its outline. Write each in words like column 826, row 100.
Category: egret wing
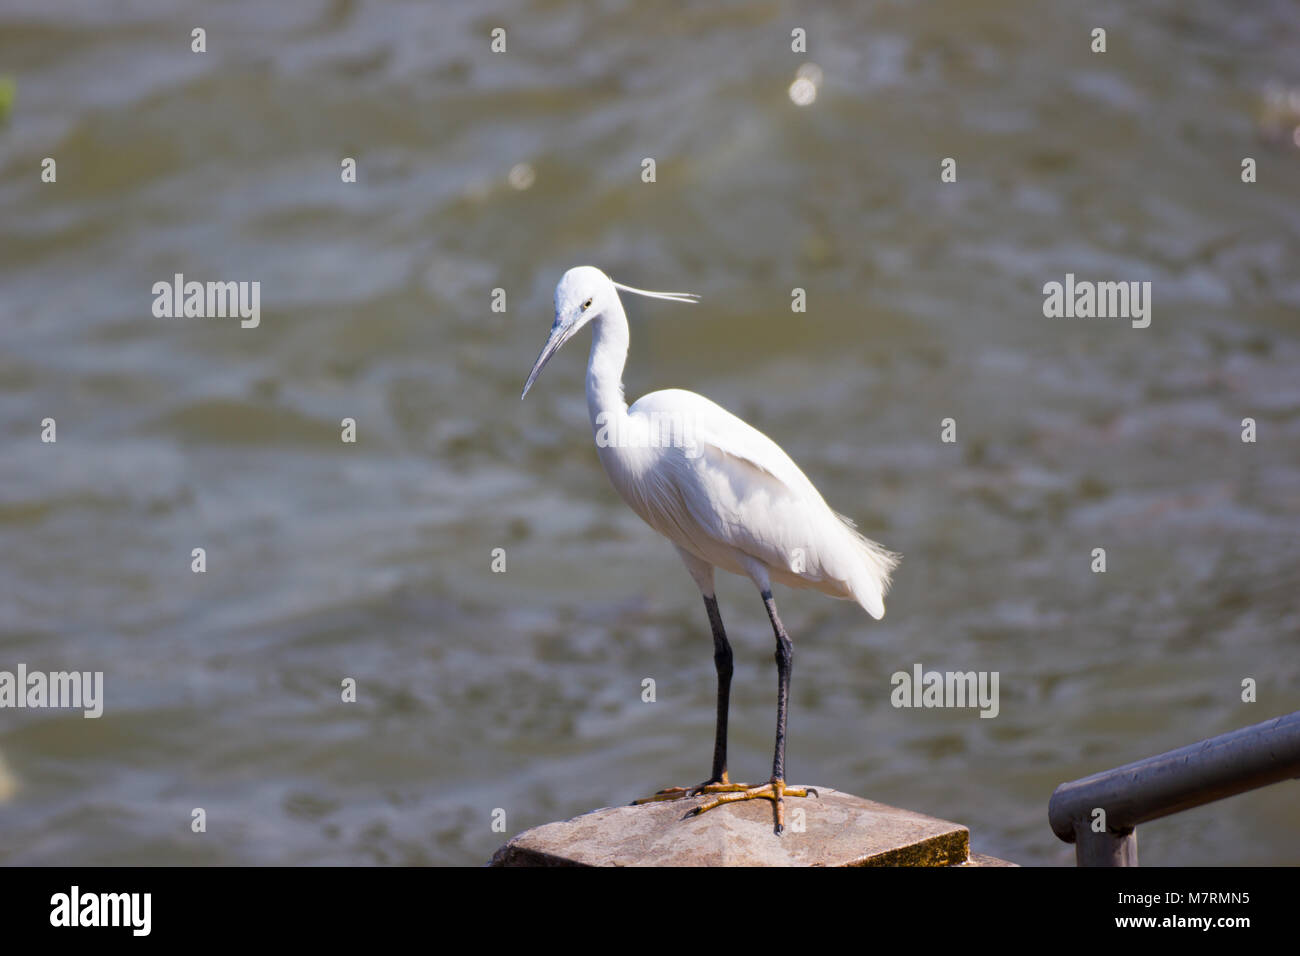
column 729, row 486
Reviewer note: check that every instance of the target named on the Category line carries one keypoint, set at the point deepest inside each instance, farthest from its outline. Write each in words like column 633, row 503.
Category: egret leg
column 722, row 663
column 775, row 789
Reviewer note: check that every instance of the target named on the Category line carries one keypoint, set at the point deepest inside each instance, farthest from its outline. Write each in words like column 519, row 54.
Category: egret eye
column 586, row 305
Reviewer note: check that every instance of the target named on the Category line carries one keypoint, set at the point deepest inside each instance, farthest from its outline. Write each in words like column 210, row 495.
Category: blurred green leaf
column 8, row 90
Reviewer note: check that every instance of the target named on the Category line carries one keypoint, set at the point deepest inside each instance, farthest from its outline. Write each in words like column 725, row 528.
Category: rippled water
column 522, row 690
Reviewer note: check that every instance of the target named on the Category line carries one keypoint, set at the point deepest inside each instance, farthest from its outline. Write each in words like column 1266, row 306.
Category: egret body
column 724, row 494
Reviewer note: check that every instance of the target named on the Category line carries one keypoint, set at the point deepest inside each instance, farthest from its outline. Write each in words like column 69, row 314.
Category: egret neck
column 609, row 342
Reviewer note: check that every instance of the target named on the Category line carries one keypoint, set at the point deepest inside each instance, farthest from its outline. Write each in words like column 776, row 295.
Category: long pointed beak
column 559, row 335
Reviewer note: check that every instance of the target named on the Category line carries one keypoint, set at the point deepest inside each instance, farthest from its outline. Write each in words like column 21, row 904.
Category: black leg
column 784, row 658
column 722, row 662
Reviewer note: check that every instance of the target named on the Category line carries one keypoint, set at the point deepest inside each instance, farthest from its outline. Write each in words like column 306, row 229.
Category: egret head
column 585, row 293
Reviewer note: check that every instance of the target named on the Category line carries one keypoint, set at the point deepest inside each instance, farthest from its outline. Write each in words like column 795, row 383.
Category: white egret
column 724, row 494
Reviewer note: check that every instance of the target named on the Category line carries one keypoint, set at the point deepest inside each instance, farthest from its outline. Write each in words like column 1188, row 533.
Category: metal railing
column 1200, row 773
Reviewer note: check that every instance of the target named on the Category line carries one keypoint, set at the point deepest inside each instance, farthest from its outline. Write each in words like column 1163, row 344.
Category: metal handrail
column 1190, row 776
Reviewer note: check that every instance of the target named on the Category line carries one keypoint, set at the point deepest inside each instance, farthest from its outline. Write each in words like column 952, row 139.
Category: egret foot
column 775, row 790
column 714, row 785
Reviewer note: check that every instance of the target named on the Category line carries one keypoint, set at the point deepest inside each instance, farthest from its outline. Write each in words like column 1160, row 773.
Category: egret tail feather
column 872, row 582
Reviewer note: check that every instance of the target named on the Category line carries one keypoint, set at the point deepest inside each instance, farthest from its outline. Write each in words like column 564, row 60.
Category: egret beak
column 559, row 335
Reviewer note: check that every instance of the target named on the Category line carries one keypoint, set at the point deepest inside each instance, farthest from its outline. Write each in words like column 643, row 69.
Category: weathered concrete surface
column 839, row 829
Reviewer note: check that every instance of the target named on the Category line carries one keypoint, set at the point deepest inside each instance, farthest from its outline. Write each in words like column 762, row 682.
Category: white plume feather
column 690, row 297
